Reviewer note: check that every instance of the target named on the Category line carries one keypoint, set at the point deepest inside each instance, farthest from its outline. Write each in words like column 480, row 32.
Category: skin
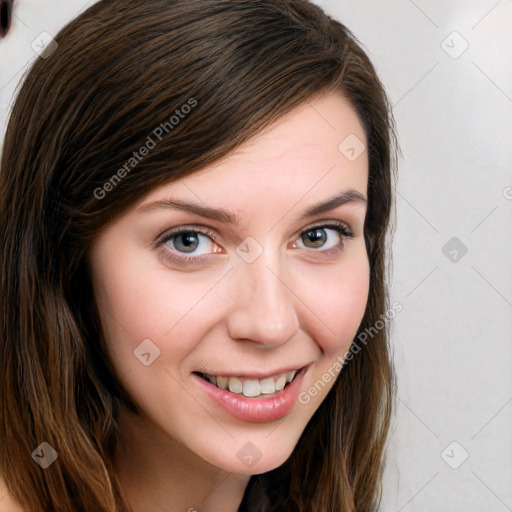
column 294, row 305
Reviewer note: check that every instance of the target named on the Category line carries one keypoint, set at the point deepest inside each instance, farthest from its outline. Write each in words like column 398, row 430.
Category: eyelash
column 341, row 228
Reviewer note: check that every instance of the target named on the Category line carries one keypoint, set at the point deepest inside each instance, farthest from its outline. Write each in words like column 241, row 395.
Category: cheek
column 139, row 299
column 340, row 302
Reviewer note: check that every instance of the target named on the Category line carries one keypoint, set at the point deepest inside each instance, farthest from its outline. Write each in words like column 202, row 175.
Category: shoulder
column 6, row 502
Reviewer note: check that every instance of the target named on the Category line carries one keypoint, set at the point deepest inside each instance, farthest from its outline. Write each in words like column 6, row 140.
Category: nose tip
column 5, row 16
column 264, row 309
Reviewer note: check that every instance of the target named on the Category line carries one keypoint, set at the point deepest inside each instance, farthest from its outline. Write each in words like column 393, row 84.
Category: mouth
column 256, row 398
column 266, row 387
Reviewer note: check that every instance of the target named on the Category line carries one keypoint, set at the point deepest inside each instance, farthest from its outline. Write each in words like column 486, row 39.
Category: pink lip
column 256, row 410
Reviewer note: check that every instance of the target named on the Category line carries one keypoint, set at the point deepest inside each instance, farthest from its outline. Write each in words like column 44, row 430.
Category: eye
column 192, row 245
column 185, row 241
column 325, row 237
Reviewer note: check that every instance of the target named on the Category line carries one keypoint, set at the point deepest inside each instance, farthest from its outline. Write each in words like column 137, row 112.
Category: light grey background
column 447, row 67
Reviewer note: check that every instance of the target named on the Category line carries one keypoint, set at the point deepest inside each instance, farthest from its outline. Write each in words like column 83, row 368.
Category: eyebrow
column 227, row 217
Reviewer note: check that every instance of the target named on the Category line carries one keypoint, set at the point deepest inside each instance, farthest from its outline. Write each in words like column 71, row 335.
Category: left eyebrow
column 347, row 196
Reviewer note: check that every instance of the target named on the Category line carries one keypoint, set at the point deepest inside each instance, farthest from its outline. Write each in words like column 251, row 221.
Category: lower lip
column 256, row 410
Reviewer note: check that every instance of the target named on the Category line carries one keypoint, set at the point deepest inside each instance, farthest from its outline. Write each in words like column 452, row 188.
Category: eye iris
column 316, row 236
column 189, row 241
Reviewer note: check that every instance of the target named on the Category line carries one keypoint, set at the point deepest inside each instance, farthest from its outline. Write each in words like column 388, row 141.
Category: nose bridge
column 264, row 306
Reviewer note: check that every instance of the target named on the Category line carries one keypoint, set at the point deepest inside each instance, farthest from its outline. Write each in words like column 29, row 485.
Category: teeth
column 280, row 383
column 235, row 385
column 268, row 386
column 222, row 382
column 252, row 387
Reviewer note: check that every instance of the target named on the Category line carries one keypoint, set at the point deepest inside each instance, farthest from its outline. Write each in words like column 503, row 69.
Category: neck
column 159, row 474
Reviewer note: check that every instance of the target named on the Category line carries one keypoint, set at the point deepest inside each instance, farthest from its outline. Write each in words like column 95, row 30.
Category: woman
column 195, row 199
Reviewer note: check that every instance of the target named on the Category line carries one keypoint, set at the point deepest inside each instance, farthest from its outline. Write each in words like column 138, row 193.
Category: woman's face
column 231, row 272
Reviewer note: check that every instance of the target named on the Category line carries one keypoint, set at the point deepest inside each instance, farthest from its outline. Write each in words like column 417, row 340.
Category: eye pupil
column 189, row 241
column 316, row 236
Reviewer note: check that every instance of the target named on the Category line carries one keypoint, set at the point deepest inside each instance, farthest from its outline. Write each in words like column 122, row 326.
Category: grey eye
column 189, row 241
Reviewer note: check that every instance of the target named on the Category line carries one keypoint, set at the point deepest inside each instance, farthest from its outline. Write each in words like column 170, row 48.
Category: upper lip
column 256, row 374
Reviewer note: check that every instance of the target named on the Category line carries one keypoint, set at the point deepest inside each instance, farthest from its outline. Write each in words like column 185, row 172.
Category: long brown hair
column 115, row 73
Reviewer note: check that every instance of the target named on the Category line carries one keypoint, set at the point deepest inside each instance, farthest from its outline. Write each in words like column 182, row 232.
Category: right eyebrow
column 218, row 214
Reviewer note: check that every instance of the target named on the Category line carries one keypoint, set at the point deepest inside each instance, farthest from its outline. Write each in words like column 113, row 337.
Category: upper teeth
column 252, row 387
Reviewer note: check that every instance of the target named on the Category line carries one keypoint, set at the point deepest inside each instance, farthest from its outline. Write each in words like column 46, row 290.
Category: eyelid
column 331, row 224
column 168, row 234
column 205, row 230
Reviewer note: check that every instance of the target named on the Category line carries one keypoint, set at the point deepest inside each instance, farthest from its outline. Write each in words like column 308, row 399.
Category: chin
column 255, row 453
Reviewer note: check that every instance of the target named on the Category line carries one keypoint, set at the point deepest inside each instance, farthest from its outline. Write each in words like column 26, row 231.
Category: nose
column 264, row 304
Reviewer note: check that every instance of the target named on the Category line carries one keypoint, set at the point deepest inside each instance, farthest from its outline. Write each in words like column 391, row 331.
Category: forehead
column 302, row 154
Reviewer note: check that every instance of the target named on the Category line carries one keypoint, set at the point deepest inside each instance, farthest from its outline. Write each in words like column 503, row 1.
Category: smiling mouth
column 252, row 388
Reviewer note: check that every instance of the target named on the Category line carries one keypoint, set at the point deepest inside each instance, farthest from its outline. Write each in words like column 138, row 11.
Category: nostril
column 5, row 16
